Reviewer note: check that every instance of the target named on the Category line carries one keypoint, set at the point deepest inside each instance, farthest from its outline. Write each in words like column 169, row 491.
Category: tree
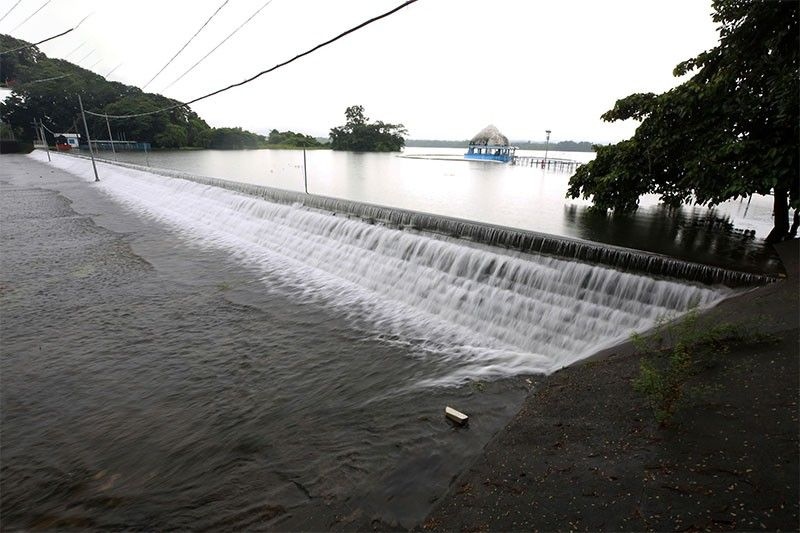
column 234, row 139
column 730, row 131
column 172, row 137
column 360, row 136
column 46, row 89
column 291, row 139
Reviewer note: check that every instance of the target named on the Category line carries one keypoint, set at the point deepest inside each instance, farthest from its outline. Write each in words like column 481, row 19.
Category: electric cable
column 48, row 39
column 42, row 80
column 187, row 44
column 268, row 2
column 75, row 50
column 30, row 16
column 36, row 44
column 112, row 70
column 267, row 71
column 78, row 62
column 10, row 10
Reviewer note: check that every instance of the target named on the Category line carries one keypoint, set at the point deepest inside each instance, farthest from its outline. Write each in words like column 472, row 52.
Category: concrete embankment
column 585, row 452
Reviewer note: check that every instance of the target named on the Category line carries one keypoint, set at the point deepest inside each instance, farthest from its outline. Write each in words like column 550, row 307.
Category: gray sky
column 444, row 68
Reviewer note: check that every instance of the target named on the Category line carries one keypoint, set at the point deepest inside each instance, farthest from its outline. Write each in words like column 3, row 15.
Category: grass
column 673, row 354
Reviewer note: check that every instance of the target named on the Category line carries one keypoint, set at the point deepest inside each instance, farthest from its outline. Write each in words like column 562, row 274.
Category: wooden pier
column 547, row 163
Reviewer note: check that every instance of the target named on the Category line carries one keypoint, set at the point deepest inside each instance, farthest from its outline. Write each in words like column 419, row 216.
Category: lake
column 729, row 235
column 184, row 357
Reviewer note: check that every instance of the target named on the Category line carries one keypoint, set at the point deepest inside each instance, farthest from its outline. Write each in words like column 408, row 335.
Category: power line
column 187, row 44
column 43, row 80
column 10, row 10
column 276, row 67
column 75, row 50
column 112, row 70
column 48, row 39
column 268, row 2
column 36, row 44
column 78, row 62
column 54, row 134
column 30, row 16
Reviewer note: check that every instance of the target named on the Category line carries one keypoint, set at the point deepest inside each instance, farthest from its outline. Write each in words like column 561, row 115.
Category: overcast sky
column 444, row 68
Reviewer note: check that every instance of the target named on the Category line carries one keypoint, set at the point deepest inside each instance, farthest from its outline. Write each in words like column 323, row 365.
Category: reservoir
column 518, row 197
column 180, row 356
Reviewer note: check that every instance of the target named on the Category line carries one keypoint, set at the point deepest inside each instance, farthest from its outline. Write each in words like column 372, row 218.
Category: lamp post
column 546, row 146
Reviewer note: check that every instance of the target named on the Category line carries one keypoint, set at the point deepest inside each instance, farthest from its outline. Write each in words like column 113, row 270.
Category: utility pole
column 37, row 131
column 546, row 146
column 305, row 173
column 46, row 146
column 110, row 139
column 88, row 138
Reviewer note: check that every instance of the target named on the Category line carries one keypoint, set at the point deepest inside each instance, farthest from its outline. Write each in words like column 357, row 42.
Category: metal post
column 147, row 159
column 111, row 139
column 88, row 138
column 305, row 172
column 36, row 131
column 46, row 146
column 546, row 145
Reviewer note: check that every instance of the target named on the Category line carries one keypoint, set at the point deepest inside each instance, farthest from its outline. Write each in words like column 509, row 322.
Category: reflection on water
column 520, row 197
column 691, row 233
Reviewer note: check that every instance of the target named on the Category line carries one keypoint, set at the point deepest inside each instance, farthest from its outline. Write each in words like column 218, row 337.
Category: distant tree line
column 47, row 89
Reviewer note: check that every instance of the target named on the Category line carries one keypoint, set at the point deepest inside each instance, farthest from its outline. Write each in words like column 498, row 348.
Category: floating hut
column 490, row 145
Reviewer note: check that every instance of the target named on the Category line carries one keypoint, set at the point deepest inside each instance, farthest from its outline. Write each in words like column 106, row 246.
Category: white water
column 488, row 313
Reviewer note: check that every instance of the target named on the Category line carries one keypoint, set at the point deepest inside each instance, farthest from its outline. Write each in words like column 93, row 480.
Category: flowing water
column 240, row 363
column 513, row 196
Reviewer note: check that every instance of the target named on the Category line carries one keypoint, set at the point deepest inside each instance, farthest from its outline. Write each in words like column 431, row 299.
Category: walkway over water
column 551, row 163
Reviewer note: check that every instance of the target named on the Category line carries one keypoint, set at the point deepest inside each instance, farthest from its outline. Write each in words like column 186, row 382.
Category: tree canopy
column 46, row 89
column 729, row 131
column 292, row 140
column 359, row 135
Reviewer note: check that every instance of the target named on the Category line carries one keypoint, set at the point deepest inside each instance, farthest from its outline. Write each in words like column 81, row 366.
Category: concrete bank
column 585, row 452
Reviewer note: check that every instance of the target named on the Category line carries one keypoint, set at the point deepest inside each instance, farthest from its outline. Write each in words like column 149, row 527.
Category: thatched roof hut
column 489, row 136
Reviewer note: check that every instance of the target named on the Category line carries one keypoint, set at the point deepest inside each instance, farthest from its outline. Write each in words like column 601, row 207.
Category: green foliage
column 291, row 139
column 172, row 137
column 8, row 133
column 674, row 350
column 730, row 131
column 359, row 135
column 235, row 139
column 48, row 89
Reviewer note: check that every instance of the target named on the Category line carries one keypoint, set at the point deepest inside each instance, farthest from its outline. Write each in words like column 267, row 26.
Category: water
column 216, row 361
column 518, row 197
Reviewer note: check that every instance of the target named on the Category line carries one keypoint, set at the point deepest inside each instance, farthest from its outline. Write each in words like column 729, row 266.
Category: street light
column 546, row 145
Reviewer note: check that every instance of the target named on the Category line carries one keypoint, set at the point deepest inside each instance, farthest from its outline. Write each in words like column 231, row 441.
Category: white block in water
column 456, row 416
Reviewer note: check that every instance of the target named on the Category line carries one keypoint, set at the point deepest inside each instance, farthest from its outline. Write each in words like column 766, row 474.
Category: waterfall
column 484, row 307
column 511, row 238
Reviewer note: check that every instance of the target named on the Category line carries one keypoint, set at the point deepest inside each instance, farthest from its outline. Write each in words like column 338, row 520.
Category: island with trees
column 730, row 131
column 359, row 135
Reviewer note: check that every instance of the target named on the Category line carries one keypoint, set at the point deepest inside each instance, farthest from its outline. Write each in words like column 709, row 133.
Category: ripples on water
column 299, row 385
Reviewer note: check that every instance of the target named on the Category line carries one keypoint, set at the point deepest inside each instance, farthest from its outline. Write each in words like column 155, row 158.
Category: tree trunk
column 780, row 211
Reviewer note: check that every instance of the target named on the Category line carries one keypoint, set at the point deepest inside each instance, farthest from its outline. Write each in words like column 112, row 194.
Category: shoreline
column 585, row 452
column 616, row 353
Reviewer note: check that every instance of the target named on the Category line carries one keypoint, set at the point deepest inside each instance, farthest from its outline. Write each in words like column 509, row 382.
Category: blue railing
column 504, row 158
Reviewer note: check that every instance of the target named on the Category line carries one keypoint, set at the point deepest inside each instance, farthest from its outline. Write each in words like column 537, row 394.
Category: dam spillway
column 483, row 305
column 525, row 241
